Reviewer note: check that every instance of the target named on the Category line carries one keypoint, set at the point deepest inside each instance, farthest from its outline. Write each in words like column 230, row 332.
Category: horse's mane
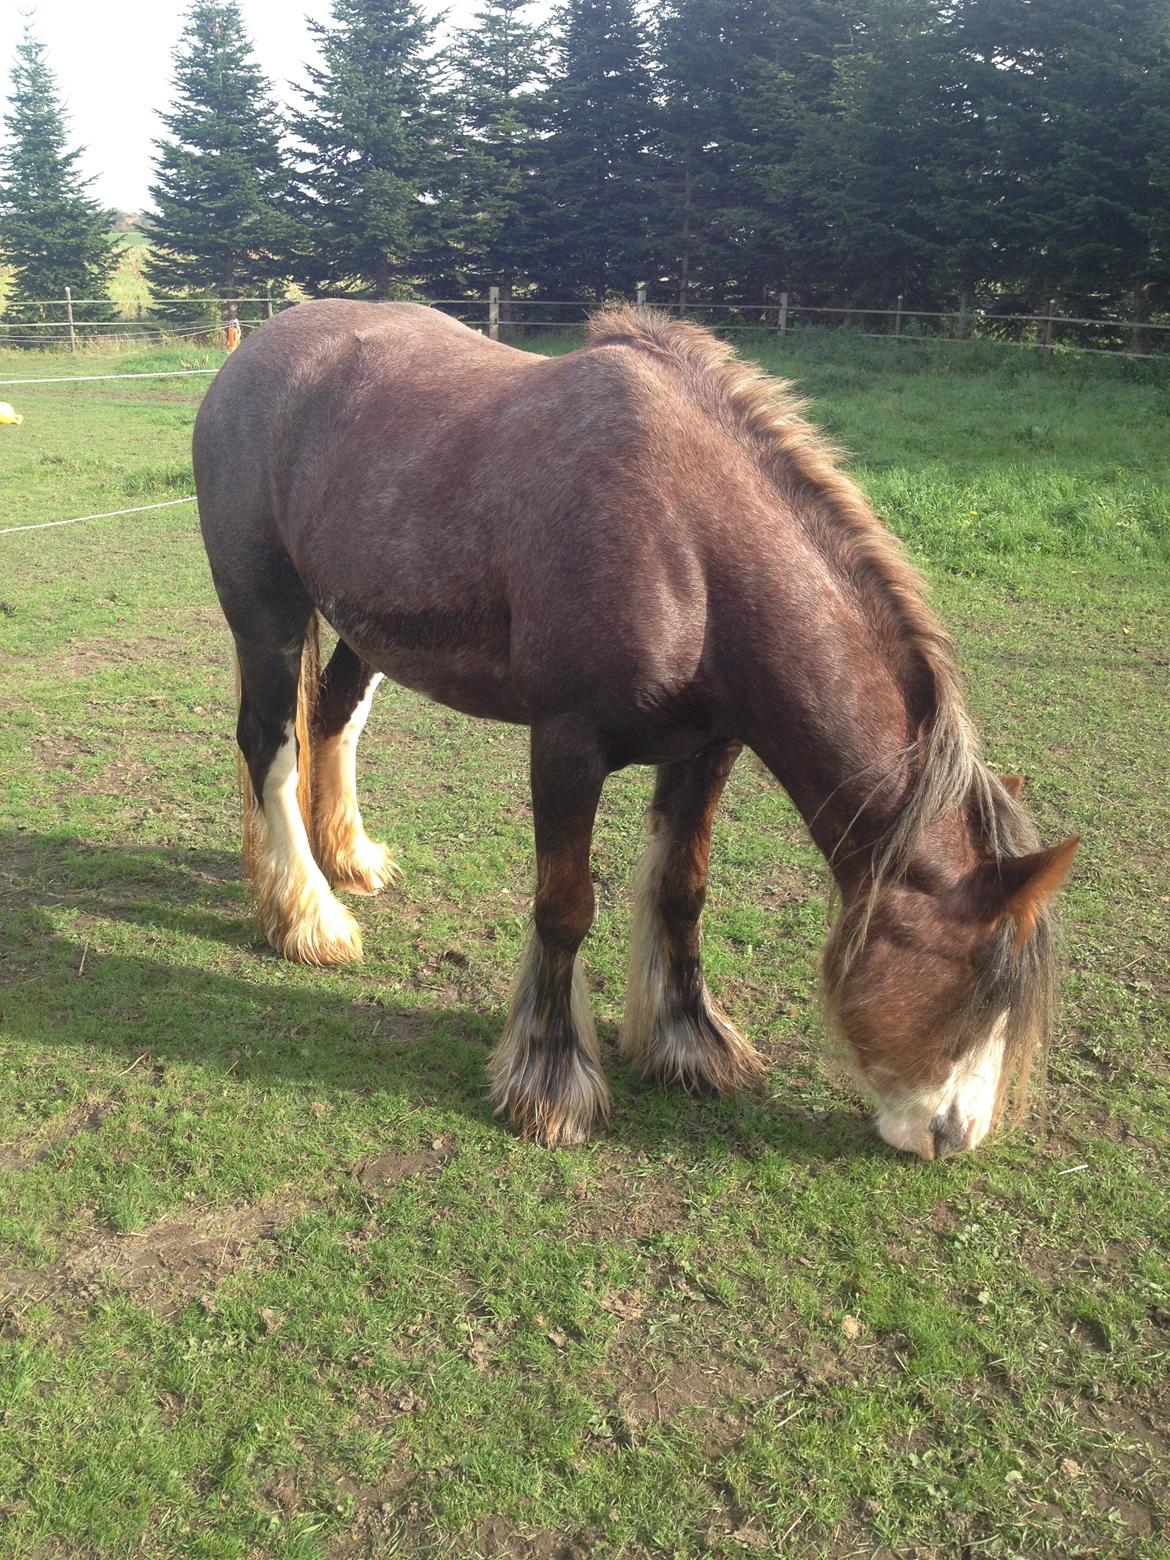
column 806, row 466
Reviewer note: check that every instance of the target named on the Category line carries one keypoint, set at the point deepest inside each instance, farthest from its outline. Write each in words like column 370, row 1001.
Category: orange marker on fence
column 233, row 334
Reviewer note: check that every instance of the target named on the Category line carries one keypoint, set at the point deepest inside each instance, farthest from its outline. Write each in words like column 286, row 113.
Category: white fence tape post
column 494, row 313
column 69, row 315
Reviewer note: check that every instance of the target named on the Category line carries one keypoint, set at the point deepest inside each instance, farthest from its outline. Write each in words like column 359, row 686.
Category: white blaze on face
column 955, row 1115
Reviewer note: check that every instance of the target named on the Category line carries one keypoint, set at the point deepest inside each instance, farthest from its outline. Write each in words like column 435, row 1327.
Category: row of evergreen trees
column 847, row 150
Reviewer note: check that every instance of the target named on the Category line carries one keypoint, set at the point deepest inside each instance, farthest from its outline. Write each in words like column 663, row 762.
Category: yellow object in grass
column 9, row 416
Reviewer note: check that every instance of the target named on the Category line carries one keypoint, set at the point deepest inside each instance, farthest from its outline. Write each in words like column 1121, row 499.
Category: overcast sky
column 113, row 66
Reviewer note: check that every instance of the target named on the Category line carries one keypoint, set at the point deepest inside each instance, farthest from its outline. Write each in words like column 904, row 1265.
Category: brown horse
column 644, row 554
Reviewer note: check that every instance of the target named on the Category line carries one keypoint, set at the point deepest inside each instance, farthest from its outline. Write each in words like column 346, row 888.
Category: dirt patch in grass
column 179, row 1260
column 372, row 1511
column 695, row 1388
column 165, row 1267
column 496, row 1538
column 88, row 1117
column 386, row 1170
column 92, row 656
column 619, row 1205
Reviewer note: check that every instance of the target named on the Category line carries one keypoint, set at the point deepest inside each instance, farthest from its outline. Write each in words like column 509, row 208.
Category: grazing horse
column 642, row 552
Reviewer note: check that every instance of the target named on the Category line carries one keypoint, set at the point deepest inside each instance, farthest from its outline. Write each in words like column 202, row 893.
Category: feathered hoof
column 551, row 1097
column 702, row 1053
column 317, row 930
column 365, row 867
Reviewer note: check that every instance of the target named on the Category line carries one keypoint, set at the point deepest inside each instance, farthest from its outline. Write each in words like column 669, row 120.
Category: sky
column 113, row 67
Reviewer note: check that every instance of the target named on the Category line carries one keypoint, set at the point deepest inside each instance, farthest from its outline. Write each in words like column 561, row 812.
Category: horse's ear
column 1021, row 886
column 1013, row 785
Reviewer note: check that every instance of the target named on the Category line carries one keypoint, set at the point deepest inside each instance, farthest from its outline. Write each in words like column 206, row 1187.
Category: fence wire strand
column 110, row 514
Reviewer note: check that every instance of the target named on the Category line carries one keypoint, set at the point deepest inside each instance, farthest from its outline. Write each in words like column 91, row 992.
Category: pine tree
column 52, row 234
column 884, row 159
column 741, row 82
column 375, row 131
column 1086, row 87
column 221, row 223
column 598, row 197
column 497, row 63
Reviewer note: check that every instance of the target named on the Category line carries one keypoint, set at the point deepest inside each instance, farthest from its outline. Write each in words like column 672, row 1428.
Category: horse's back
column 447, row 499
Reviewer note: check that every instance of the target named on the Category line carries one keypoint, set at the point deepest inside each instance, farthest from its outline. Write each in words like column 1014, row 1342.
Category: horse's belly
column 467, row 684
column 460, row 657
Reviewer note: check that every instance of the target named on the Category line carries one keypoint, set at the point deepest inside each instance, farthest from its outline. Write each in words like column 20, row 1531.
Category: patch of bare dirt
column 386, row 1170
column 622, row 1206
column 698, row 1388
column 372, row 1511
column 166, row 1266
column 496, row 1538
column 88, row 1117
column 179, row 1260
column 93, row 656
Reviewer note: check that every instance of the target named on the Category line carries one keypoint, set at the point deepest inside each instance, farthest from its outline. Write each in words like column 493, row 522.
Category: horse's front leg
column 672, row 1029
column 545, row 1073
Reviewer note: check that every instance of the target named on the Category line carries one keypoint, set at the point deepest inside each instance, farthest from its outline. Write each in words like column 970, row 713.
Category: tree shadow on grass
column 277, row 1024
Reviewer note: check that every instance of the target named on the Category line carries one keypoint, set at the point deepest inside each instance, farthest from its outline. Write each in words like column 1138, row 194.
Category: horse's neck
column 834, row 716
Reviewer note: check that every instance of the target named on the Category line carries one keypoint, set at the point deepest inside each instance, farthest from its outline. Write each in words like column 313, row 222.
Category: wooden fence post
column 782, row 321
column 1048, row 325
column 268, row 299
column 898, row 316
column 494, row 313
column 69, row 315
column 641, row 297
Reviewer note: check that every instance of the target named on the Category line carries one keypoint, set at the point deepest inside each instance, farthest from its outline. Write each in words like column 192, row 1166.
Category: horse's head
column 941, row 994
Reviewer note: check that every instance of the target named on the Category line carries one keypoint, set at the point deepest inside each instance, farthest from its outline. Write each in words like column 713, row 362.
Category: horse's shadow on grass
column 278, row 1025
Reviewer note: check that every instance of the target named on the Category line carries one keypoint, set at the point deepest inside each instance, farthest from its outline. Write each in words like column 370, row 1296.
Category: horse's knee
column 563, row 913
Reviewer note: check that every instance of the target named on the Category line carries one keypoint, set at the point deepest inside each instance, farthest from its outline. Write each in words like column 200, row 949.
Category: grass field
column 272, row 1279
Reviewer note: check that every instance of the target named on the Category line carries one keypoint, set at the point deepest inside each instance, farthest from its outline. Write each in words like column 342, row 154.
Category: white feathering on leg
column 295, row 906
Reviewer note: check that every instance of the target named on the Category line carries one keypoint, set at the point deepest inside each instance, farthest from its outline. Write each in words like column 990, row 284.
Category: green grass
column 274, row 1282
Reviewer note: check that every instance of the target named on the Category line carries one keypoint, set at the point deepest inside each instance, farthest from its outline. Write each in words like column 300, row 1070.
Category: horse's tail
column 307, row 688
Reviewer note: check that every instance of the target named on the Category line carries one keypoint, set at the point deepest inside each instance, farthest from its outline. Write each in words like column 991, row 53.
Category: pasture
column 272, row 1279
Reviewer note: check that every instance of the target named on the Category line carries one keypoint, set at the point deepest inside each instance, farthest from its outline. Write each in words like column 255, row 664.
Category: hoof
column 365, row 868
column 320, row 931
column 553, row 1098
column 702, row 1053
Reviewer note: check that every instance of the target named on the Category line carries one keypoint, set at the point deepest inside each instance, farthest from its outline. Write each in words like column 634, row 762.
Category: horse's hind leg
column 295, row 906
column 545, row 1073
column 672, row 1029
column 348, row 857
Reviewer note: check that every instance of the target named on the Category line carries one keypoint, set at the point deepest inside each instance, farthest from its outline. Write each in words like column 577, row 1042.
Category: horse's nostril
column 949, row 1133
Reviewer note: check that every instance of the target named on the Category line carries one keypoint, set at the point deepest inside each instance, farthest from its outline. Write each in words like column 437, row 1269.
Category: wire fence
column 503, row 318
column 201, row 320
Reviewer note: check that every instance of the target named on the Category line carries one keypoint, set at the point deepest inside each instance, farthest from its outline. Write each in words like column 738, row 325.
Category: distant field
column 272, row 1279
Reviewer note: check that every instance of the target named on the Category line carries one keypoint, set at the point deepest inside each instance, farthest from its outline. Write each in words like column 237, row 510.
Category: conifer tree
column 221, row 223
column 893, row 161
column 598, row 193
column 497, row 63
column 1080, row 95
column 52, row 234
column 375, row 131
column 742, row 81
